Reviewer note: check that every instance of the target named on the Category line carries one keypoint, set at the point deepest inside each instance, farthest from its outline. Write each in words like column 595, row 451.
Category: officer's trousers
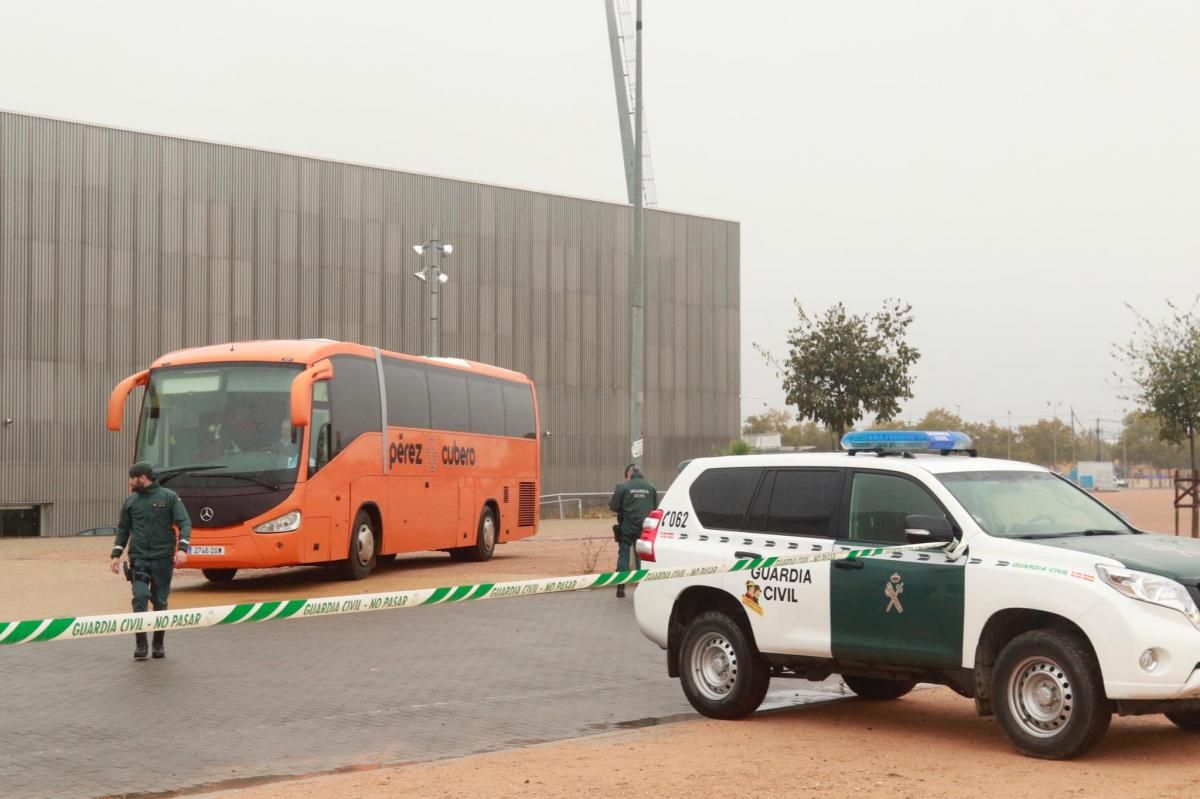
column 151, row 582
column 625, row 547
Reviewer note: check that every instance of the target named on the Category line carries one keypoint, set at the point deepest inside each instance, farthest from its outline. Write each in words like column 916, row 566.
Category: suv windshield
column 220, row 420
column 1030, row 505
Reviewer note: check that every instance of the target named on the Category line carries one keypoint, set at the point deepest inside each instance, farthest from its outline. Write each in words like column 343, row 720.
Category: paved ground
column 82, row 719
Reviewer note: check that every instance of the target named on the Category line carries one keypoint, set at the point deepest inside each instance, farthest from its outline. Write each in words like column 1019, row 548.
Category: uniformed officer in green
column 149, row 518
column 632, row 501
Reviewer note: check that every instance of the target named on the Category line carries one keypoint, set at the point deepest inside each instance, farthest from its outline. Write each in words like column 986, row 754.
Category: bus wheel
column 485, row 540
column 360, row 560
column 219, row 575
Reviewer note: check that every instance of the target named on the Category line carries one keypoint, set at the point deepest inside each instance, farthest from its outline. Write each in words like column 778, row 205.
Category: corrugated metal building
column 118, row 246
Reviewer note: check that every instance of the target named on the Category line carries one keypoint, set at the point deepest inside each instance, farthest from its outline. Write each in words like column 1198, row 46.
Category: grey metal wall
column 116, row 247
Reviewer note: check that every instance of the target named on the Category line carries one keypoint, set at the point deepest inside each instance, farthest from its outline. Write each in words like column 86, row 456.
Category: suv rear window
column 798, row 502
column 721, row 496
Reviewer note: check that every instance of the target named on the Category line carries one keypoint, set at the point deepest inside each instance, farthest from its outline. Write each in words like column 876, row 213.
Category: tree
column 736, row 447
column 774, row 420
column 807, row 434
column 1142, row 443
column 1164, row 361
column 841, row 367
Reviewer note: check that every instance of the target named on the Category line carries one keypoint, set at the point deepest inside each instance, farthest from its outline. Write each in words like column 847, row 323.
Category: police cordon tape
column 75, row 627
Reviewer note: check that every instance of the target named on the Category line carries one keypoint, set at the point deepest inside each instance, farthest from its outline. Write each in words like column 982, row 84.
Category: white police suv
column 1046, row 607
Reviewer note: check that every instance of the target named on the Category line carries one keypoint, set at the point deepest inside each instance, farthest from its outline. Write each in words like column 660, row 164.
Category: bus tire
column 219, row 575
column 364, row 543
column 485, row 540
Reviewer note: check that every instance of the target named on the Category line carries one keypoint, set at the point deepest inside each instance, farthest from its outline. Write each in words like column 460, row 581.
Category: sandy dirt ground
column 42, row 577
column 930, row 744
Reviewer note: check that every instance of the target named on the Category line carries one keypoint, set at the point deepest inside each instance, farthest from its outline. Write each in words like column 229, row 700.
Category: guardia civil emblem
column 892, row 589
column 750, row 598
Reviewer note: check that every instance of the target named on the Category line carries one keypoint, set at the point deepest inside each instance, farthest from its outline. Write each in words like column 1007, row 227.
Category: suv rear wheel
column 1048, row 695
column 722, row 674
column 875, row 688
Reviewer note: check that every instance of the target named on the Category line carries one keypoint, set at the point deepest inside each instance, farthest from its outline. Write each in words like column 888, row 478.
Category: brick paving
column 82, row 719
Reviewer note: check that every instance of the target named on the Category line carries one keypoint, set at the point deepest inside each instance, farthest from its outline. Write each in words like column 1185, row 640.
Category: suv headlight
column 1152, row 588
column 284, row 524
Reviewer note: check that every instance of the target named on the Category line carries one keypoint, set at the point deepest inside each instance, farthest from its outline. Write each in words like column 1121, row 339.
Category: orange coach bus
column 318, row 451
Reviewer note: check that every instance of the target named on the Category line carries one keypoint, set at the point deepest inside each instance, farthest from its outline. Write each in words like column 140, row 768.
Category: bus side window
column 407, row 394
column 518, row 411
column 448, row 401
column 487, row 406
column 354, row 400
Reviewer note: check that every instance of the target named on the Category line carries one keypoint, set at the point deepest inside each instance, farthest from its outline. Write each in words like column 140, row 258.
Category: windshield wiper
column 168, row 474
column 247, row 478
column 1038, row 536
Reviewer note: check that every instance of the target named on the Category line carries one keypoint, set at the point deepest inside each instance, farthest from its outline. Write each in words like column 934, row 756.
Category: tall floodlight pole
column 433, row 277
column 618, row 65
column 637, row 359
column 1054, row 431
column 1009, row 455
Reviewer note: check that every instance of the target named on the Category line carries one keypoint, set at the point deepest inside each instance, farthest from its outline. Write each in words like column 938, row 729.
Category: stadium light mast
column 640, row 187
column 433, row 277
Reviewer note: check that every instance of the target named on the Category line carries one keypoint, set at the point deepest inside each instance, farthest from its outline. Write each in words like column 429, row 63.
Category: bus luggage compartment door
column 425, row 512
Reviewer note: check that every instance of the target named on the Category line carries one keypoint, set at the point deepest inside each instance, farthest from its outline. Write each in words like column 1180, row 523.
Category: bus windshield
column 221, row 419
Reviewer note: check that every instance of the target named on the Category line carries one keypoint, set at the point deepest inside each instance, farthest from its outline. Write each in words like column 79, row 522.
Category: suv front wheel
column 1048, row 695
column 722, row 674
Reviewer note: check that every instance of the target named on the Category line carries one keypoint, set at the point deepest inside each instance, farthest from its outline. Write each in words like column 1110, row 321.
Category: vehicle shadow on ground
column 927, row 726
column 324, row 574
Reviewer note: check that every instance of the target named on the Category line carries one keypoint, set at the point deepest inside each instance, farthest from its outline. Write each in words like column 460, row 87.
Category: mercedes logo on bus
column 206, row 514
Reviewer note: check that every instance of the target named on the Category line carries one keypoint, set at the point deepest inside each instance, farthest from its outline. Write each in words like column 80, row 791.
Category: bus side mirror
column 301, row 399
column 116, row 400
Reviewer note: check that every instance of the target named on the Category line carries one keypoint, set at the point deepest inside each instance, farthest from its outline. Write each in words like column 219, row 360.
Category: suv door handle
column 743, row 554
column 847, row 564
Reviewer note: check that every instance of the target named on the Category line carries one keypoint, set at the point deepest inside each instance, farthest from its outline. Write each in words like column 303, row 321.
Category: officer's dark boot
column 620, row 594
column 139, row 651
column 159, row 652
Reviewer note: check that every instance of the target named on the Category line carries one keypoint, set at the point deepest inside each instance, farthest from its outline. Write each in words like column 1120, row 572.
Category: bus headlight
column 286, row 523
column 1152, row 588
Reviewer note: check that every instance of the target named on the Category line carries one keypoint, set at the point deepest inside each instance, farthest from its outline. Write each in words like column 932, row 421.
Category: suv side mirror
column 921, row 528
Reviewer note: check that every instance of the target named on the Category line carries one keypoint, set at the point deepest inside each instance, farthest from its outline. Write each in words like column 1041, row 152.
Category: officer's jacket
column 151, row 515
column 632, row 501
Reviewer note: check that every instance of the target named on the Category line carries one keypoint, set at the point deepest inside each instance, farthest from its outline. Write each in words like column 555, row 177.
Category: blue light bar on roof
column 905, row 441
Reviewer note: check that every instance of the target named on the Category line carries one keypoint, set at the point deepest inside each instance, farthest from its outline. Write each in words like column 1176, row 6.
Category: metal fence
column 590, row 502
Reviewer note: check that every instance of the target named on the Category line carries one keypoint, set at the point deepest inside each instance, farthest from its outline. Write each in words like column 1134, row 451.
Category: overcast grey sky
column 1016, row 170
